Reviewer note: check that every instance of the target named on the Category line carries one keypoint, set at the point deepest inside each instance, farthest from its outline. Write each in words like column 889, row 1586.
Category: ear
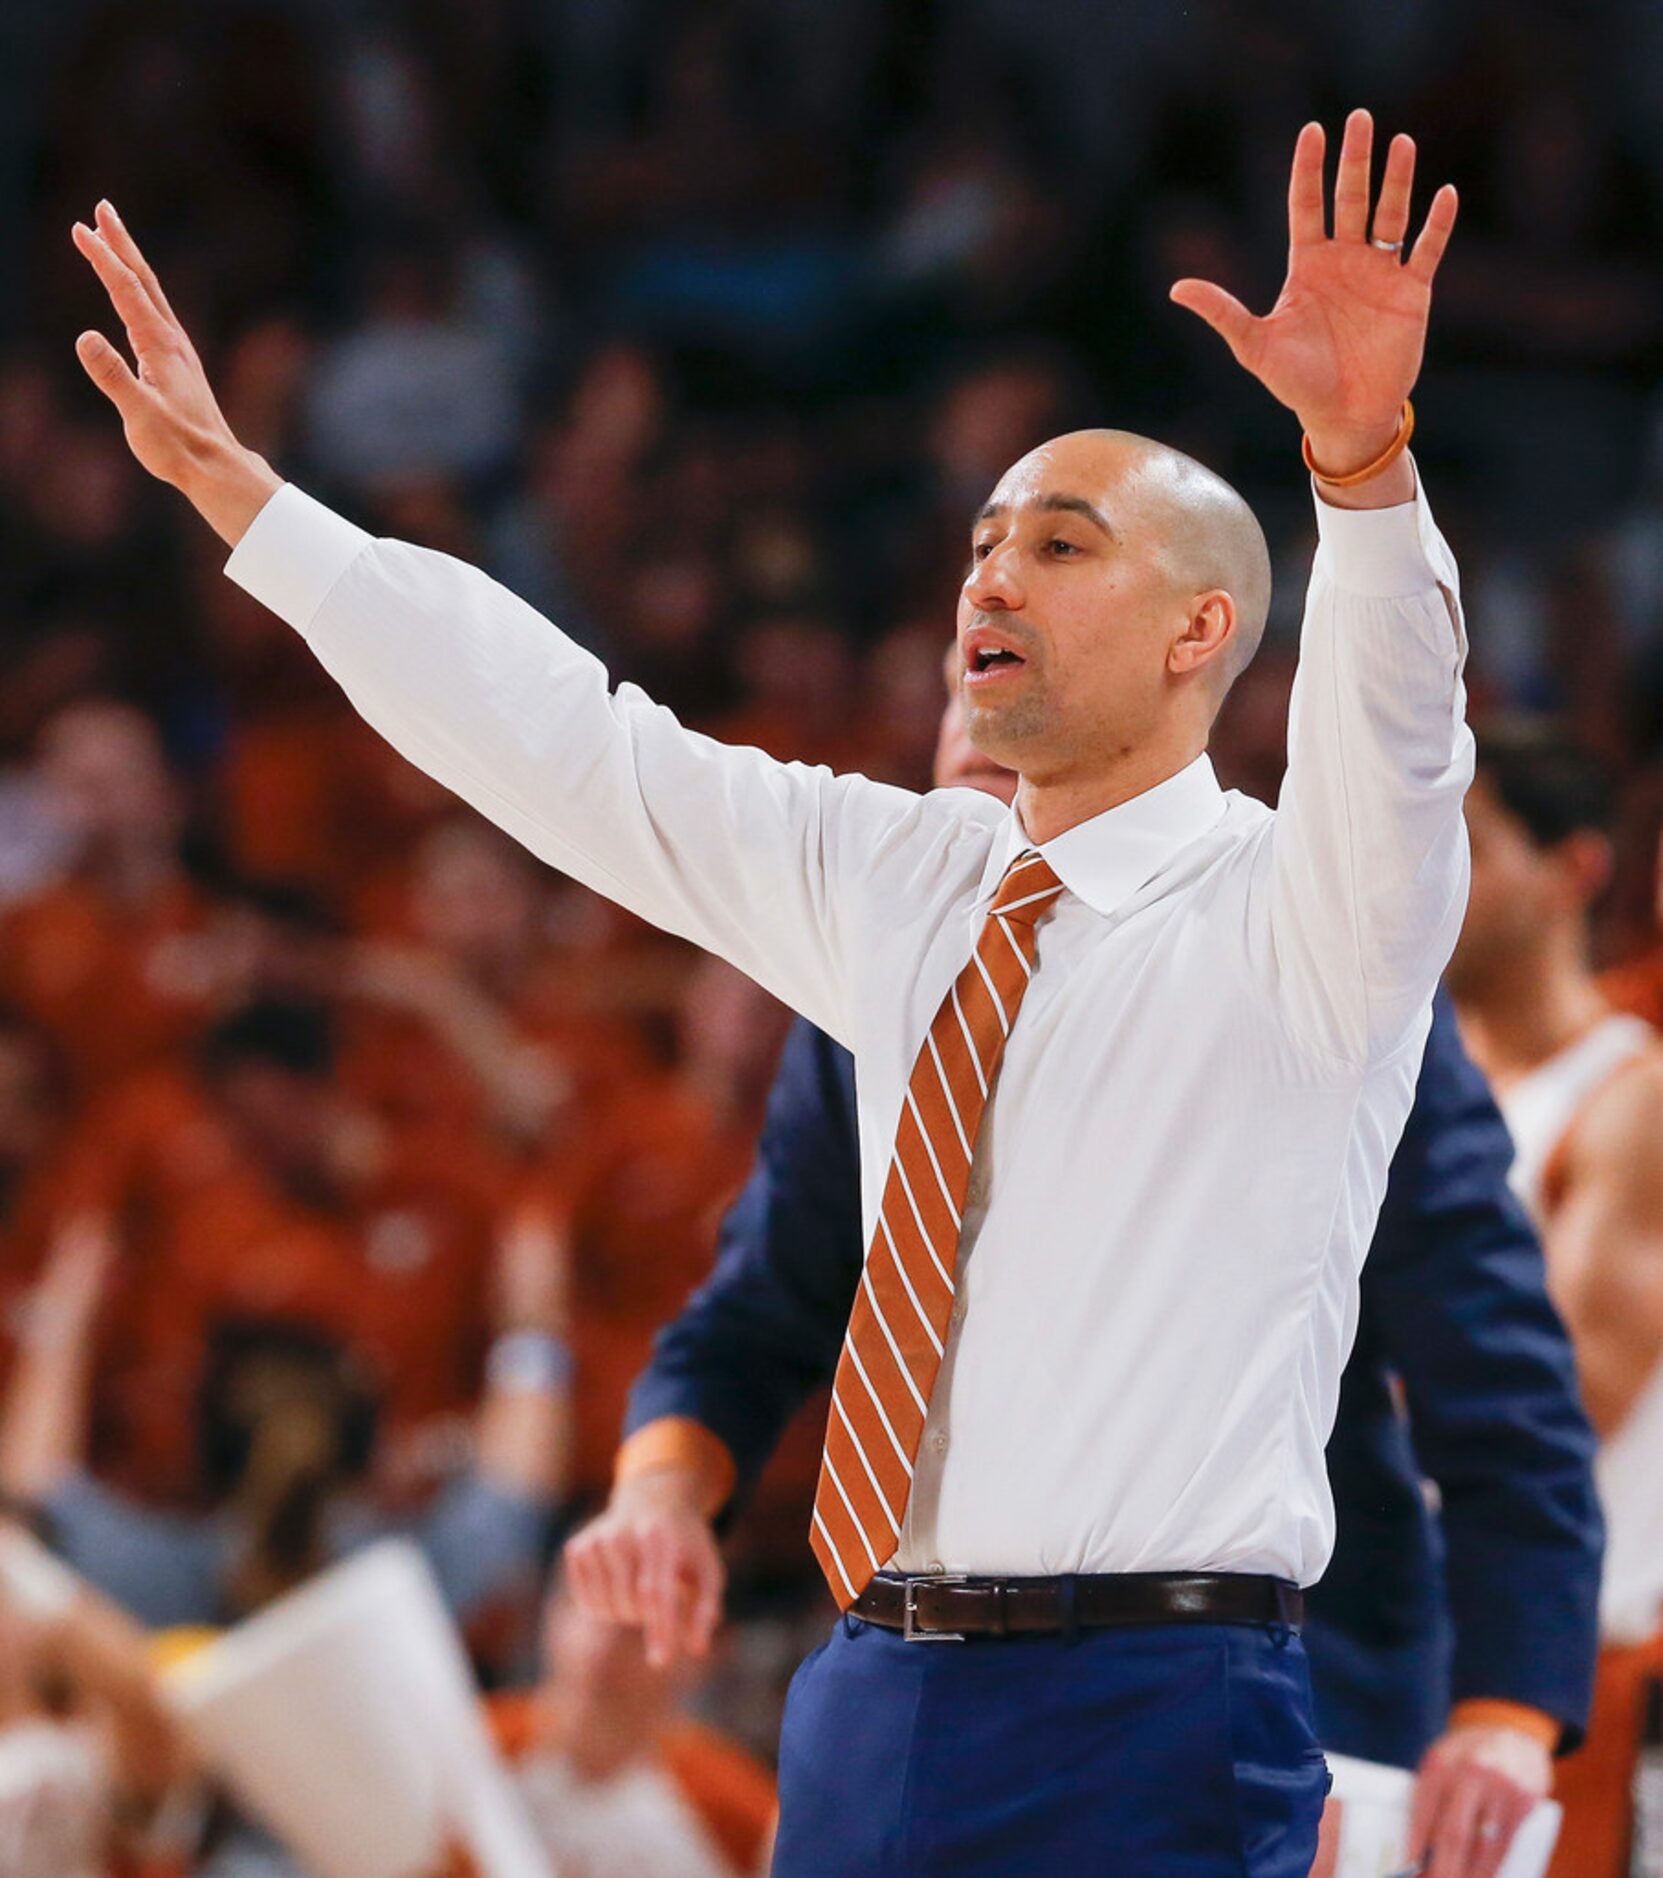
column 1212, row 625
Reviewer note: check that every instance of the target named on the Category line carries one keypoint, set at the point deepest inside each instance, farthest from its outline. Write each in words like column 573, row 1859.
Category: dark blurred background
column 704, row 327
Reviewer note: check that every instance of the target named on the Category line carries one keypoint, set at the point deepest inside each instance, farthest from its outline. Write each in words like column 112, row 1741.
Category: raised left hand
column 1476, row 1787
column 1342, row 346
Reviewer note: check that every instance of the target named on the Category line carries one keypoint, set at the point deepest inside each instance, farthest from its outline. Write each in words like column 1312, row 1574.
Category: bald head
column 1116, row 590
column 1207, row 536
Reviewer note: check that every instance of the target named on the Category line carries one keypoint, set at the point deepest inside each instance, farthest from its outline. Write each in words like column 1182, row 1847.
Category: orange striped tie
column 898, row 1328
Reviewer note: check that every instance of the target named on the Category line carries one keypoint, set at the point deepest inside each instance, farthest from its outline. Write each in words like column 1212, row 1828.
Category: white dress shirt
column 1179, row 1175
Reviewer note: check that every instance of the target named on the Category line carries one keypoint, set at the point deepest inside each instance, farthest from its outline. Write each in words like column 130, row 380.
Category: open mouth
column 986, row 664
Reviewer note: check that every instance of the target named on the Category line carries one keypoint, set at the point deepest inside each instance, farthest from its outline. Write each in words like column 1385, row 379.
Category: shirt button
column 938, row 1440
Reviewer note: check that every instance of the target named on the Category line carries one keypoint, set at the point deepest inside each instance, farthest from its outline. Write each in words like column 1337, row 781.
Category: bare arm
column 1605, row 1245
column 43, row 1420
column 524, row 1432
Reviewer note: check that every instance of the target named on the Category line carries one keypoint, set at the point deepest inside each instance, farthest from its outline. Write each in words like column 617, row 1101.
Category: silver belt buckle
column 910, row 1633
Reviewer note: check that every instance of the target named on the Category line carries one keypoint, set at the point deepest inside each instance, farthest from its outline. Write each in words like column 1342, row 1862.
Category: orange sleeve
column 679, row 1441
column 1489, row 1714
column 732, row 1793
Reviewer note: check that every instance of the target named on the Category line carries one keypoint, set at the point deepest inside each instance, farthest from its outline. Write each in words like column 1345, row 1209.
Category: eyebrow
column 1055, row 505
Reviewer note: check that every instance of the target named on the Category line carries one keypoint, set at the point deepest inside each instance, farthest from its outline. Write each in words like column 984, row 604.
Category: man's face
column 1520, row 892
column 1069, row 610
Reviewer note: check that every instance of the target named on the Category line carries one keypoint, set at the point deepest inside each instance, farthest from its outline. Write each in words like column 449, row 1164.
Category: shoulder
column 1622, row 1121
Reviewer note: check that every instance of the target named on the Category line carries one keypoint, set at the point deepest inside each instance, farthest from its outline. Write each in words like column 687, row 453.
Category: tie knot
column 1029, row 889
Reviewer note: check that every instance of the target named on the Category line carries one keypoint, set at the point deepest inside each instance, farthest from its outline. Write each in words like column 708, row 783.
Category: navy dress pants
column 1178, row 1751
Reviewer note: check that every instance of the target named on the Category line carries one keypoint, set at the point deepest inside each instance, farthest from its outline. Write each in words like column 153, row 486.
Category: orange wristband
column 1479, row 1712
column 1386, row 458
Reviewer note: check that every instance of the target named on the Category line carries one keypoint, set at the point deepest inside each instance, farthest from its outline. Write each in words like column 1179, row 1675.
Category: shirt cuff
column 1381, row 554
column 679, row 1441
column 1483, row 1713
column 292, row 554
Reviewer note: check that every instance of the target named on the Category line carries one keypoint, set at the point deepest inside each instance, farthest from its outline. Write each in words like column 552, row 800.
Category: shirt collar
column 1106, row 860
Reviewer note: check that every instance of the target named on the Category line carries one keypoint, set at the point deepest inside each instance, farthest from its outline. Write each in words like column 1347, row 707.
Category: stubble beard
column 1005, row 733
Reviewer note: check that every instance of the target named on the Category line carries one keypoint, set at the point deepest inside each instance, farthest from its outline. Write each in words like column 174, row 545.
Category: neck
column 1051, row 805
column 1528, row 1011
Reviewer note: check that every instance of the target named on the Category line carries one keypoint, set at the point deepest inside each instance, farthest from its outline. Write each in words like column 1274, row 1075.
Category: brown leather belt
column 943, row 1608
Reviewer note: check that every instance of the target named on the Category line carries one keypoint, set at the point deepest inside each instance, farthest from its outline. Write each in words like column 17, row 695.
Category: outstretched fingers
column 1434, row 237
column 114, row 230
column 147, row 329
column 1391, row 211
column 1351, row 181
column 1305, row 217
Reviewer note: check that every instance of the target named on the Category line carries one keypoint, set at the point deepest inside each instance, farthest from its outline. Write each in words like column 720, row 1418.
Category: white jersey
column 1541, row 1111
column 1540, row 1108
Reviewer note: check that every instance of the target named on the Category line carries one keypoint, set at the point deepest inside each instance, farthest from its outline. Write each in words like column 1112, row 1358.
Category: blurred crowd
column 348, row 1158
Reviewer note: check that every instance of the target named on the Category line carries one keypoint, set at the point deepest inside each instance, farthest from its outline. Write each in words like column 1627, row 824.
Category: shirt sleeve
column 1368, row 853
column 767, row 864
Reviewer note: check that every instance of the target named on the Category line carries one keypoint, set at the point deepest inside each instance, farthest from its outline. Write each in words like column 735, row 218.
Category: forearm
column 524, row 1431
column 524, row 1442
column 43, row 1418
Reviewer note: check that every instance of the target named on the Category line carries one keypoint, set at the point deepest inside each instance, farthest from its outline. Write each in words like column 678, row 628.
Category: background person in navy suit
column 1461, row 1640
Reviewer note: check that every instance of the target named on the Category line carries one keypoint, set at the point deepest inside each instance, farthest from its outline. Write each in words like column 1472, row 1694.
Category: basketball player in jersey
column 1581, row 1087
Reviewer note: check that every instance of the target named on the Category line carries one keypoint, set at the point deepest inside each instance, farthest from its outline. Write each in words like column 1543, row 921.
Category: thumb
column 1222, row 311
column 108, row 370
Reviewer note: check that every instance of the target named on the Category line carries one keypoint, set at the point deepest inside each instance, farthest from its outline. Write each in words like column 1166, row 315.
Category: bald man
column 1132, row 1059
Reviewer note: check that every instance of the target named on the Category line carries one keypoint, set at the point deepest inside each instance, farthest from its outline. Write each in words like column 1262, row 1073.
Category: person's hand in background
column 1478, row 1784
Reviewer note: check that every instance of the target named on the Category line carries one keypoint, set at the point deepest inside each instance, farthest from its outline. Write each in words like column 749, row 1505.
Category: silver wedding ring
column 1391, row 247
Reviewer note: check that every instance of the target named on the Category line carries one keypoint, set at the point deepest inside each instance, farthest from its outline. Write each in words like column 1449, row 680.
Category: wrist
column 678, row 1455
column 1489, row 1712
column 670, row 1487
column 530, row 1360
column 1343, row 449
column 227, row 485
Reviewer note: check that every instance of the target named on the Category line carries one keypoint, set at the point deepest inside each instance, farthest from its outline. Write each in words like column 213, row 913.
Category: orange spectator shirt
column 116, row 988
column 400, row 1272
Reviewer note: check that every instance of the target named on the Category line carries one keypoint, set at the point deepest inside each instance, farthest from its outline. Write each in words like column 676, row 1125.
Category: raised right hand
column 173, row 422
column 651, row 1559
